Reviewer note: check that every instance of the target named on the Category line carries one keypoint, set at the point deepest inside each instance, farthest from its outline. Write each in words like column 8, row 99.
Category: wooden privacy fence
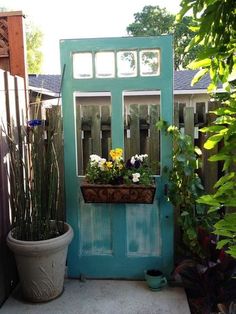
column 190, row 124
column 93, row 133
column 13, row 123
column 12, row 111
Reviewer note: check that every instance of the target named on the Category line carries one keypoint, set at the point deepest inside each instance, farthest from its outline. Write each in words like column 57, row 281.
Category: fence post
column 189, row 122
column 209, row 169
column 176, row 115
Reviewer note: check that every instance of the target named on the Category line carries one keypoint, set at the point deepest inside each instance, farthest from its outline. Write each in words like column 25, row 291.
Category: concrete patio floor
column 104, row 297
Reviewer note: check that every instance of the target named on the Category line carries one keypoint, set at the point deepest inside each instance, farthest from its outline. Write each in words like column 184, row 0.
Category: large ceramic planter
column 41, row 265
column 107, row 193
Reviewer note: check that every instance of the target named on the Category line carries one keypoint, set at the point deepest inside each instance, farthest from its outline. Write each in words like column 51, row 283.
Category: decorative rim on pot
column 31, row 247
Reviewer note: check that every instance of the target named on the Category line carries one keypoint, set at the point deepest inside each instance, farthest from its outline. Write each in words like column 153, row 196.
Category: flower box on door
column 108, row 193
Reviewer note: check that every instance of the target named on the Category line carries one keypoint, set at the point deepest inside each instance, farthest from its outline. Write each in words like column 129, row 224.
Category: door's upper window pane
column 141, row 136
column 149, row 62
column 127, row 63
column 82, row 65
column 105, row 64
column 93, row 126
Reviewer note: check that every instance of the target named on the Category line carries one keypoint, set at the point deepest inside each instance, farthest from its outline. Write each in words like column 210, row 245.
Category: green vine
column 185, row 188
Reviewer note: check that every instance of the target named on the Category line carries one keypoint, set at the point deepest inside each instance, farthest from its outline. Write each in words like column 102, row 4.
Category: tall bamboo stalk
column 34, row 178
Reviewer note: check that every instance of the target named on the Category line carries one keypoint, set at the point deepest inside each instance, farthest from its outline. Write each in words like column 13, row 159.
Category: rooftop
column 182, row 82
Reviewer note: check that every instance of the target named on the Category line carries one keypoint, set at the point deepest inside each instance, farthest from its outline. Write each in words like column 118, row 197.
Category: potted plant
column 39, row 236
column 114, row 181
column 210, row 283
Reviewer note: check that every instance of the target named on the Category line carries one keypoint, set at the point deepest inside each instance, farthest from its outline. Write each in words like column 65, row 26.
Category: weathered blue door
column 113, row 92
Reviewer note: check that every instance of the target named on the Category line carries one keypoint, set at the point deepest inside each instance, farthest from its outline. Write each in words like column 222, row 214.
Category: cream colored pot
column 41, row 265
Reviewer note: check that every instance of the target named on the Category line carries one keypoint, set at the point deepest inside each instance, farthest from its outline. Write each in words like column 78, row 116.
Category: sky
column 80, row 19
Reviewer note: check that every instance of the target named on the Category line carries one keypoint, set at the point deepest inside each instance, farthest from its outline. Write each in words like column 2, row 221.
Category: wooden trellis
column 4, row 43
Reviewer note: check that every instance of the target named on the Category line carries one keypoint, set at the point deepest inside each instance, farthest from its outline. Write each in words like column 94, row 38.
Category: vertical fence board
column 134, row 130
column 176, row 115
column 86, row 141
column 94, row 122
column 154, row 144
column 79, row 137
column 96, row 130
column 18, row 116
column 143, row 128
column 7, row 103
column 106, row 130
column 9, row 116
column 127, row 153
column 209, row 169
column 189, row 121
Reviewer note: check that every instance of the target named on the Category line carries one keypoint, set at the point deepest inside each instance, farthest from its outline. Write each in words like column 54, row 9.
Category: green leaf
column 200, row 63
column 191, row 233
column 222, row 243
column 227, row 164
column 213, row 140
column 194, row 28
column 218, row 157
column 208, row 200
column 226, row 187
column 224, row 179
column 231, row 202
column 212, row 128
column 224, row 233
column 180, row 15
column 194, row 41
column 213, row 209
column 232, row 76
column 221, row 68
column 227, row 223
column 161, row 125
column 198, row 76
column 181, row 158
column 226, row 86
column 232, row 251
column 211, row 87
column 225, row 111
column 225, row 120
column 184, row 213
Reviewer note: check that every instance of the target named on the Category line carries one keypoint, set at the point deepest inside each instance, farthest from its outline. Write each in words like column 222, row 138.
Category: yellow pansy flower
column 116, row 153
column 109, row 164
column 120, row 166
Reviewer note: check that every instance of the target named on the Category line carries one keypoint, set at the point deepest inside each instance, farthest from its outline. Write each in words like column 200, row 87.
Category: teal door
column 114, row 91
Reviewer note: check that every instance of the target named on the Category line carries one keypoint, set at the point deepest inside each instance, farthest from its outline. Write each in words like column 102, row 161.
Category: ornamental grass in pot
column 117, row 181
column 39, row 237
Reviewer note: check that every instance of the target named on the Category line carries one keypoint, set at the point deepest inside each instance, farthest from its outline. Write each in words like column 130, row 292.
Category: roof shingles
column 182, row 81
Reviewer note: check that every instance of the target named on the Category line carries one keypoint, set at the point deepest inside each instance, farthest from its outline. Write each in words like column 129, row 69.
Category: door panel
column 142, row 227
column 95, row 226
